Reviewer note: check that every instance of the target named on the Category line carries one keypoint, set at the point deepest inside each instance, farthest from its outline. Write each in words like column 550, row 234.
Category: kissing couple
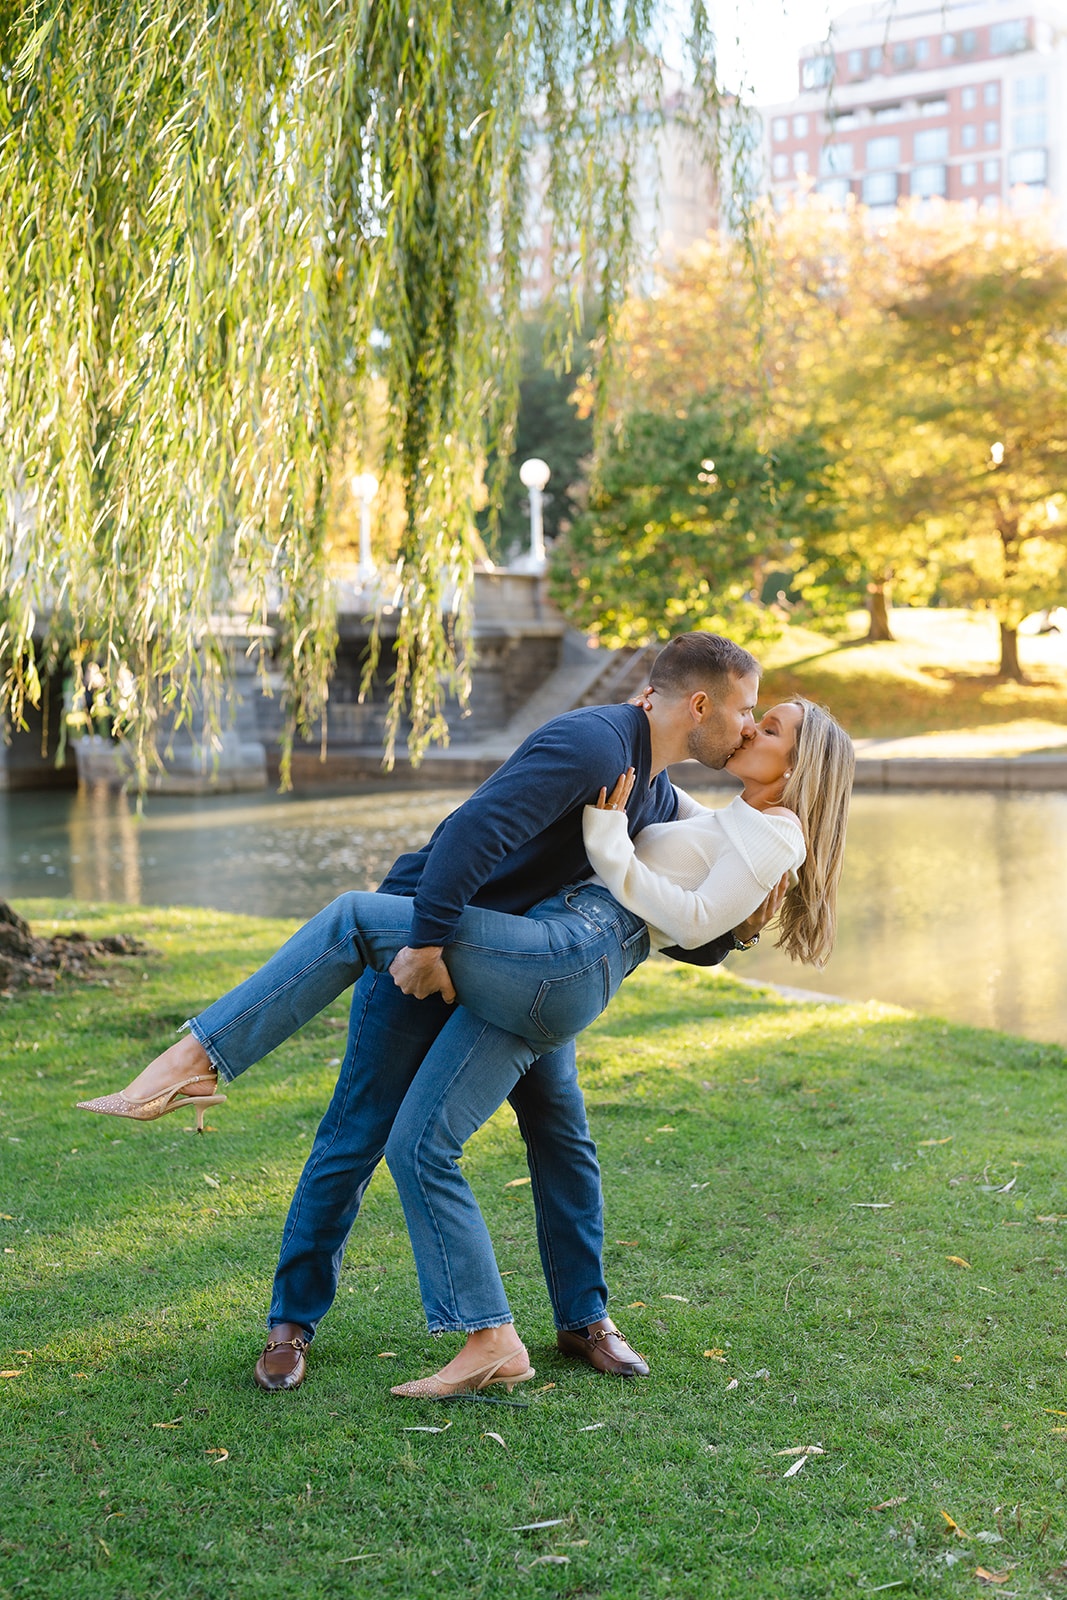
column 482, row 956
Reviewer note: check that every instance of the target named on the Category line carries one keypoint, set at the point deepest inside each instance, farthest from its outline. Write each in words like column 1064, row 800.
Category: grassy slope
column 741, row 1139
column 938, row 673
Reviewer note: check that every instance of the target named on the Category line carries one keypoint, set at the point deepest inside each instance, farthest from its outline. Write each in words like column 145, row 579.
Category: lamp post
column 533, row 475
column 365, row 487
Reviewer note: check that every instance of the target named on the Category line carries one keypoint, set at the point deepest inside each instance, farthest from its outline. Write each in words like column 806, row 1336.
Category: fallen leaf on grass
column 732, row 1384
column 792, row 1471
column 990, row 1538
column 531, row 1527
column 682, row 1297
column 636, row 1305
column 991, row 1577
column 6, row 1215
column 424, row 1429
column 592, row 1428
column 667, row 1129
column 802, row 1450
column 627, row 1241
column 497, row 1437
column 872, row 1205
column 221, row 1456
column 1056, row 1217
column 551, row 1561
column 175, row 1424
column 386, row 1354
column 716, row 1355
column 12, row 1372
column 886, row 1505
column 345, row 1559
column 958, row 1261
column 954, row 1527
column 516, row 1183
column 949, row 1140
column 544, row 1388
column 1053, row 1413
column 212, row 1183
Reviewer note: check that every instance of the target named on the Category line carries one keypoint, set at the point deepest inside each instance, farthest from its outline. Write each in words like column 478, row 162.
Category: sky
column 759, row 41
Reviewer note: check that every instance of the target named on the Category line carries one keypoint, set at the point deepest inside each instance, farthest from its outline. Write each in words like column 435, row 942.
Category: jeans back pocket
column 564, row 1006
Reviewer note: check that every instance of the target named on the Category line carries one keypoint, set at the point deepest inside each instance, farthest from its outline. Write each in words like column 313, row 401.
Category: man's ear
column 699, row 704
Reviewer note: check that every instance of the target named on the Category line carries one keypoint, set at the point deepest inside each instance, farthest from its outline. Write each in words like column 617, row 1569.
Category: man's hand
column 763, row 914
column 422, row 973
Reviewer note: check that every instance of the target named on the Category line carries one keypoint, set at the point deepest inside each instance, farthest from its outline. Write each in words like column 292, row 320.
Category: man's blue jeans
column 419, row 1077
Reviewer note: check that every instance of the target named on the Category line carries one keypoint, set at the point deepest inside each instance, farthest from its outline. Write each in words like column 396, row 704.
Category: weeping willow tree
column 228, row 229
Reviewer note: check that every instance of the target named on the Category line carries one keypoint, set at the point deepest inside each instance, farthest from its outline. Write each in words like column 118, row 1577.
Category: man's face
column 724, row 725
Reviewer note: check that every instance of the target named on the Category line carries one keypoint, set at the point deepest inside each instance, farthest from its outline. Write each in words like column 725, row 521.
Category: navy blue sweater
column 519, row 837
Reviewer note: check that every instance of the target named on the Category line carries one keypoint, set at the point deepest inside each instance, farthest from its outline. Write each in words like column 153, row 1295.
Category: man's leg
column 568, row 1199
column 389, row 1033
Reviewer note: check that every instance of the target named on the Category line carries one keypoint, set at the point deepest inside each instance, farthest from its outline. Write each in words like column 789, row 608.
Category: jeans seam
column 290, row 980
column 535, row 1177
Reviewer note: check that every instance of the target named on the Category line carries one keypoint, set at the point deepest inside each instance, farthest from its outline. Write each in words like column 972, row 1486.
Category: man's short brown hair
column 701, row 661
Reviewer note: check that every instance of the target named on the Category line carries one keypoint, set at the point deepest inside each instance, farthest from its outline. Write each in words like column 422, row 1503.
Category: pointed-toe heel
column 438, row 1388
column 157, row 1105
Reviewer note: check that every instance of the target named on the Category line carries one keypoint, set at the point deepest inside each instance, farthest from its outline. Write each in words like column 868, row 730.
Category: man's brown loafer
column 604, row 1347
column 281, row 1366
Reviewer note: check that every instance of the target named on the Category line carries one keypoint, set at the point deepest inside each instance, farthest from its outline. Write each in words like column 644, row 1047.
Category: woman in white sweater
column 681, row 883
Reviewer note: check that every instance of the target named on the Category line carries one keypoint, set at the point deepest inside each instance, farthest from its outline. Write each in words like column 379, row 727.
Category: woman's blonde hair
column 818, row 790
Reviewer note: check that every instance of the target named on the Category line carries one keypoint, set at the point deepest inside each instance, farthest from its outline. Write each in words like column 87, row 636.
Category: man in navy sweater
column 517, row 840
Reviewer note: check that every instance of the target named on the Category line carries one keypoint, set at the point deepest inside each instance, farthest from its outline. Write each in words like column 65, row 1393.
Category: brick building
column 965, row 101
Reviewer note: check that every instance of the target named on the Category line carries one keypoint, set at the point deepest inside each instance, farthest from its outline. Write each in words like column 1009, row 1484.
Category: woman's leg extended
column 469, row 1071
column 324, row 958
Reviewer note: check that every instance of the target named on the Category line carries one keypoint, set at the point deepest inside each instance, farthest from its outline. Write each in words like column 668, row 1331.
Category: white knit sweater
column 694, row 878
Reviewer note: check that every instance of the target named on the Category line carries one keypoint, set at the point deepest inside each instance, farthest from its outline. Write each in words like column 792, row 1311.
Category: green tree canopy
column 224, row 227
column 687, row 508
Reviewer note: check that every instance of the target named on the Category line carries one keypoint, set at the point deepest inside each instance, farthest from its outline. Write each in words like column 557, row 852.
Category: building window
column 990, row 132
column 969, row 41
column 990, row 171
column 800, row 161
column 835, row 158
column 855, row 61
column 888, row 113
column 838, row 121
column 927, row 181
column 969, row 135
column 969, row 174
column 1007, row 37
column 901, row 55
column 874, row 57
column 800, row 127
column 930, row 144
column 1027, row 166
column 948, row 44
column 934, row 108
column 991, row 202
column 968, row 99
column 780, row 129
column 836, row 190
column 817, row 72
column 780, row 166
column 1030, row 128
column 883, row 152
column 922, row 50
column 1031, row 91
column 991, row 94
column 880, row 189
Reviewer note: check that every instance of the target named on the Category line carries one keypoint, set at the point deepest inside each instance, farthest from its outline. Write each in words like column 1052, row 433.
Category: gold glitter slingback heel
column 435, row 1388
column 157, row 1105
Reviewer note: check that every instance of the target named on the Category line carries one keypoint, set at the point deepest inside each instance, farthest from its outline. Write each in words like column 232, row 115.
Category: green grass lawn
column 792, row 1192
column 938, row 672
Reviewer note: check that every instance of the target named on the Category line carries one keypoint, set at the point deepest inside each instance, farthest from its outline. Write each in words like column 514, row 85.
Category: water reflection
column 951, row 903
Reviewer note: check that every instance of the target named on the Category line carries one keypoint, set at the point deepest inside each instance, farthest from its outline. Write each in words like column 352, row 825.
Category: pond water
column 950, row 903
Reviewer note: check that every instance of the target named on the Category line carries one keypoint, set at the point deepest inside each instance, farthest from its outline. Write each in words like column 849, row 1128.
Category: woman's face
column 766, row 757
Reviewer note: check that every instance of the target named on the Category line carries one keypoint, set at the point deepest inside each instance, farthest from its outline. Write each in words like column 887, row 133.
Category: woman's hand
column 616, row 800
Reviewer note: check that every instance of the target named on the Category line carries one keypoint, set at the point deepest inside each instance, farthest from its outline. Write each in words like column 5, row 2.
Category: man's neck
column 667, row 745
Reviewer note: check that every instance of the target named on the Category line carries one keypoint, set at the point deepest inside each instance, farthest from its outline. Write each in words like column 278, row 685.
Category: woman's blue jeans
column 418, row 1079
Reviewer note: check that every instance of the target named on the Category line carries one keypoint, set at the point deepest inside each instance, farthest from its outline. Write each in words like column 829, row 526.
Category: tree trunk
column 1009, row 655
column 878, row 606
